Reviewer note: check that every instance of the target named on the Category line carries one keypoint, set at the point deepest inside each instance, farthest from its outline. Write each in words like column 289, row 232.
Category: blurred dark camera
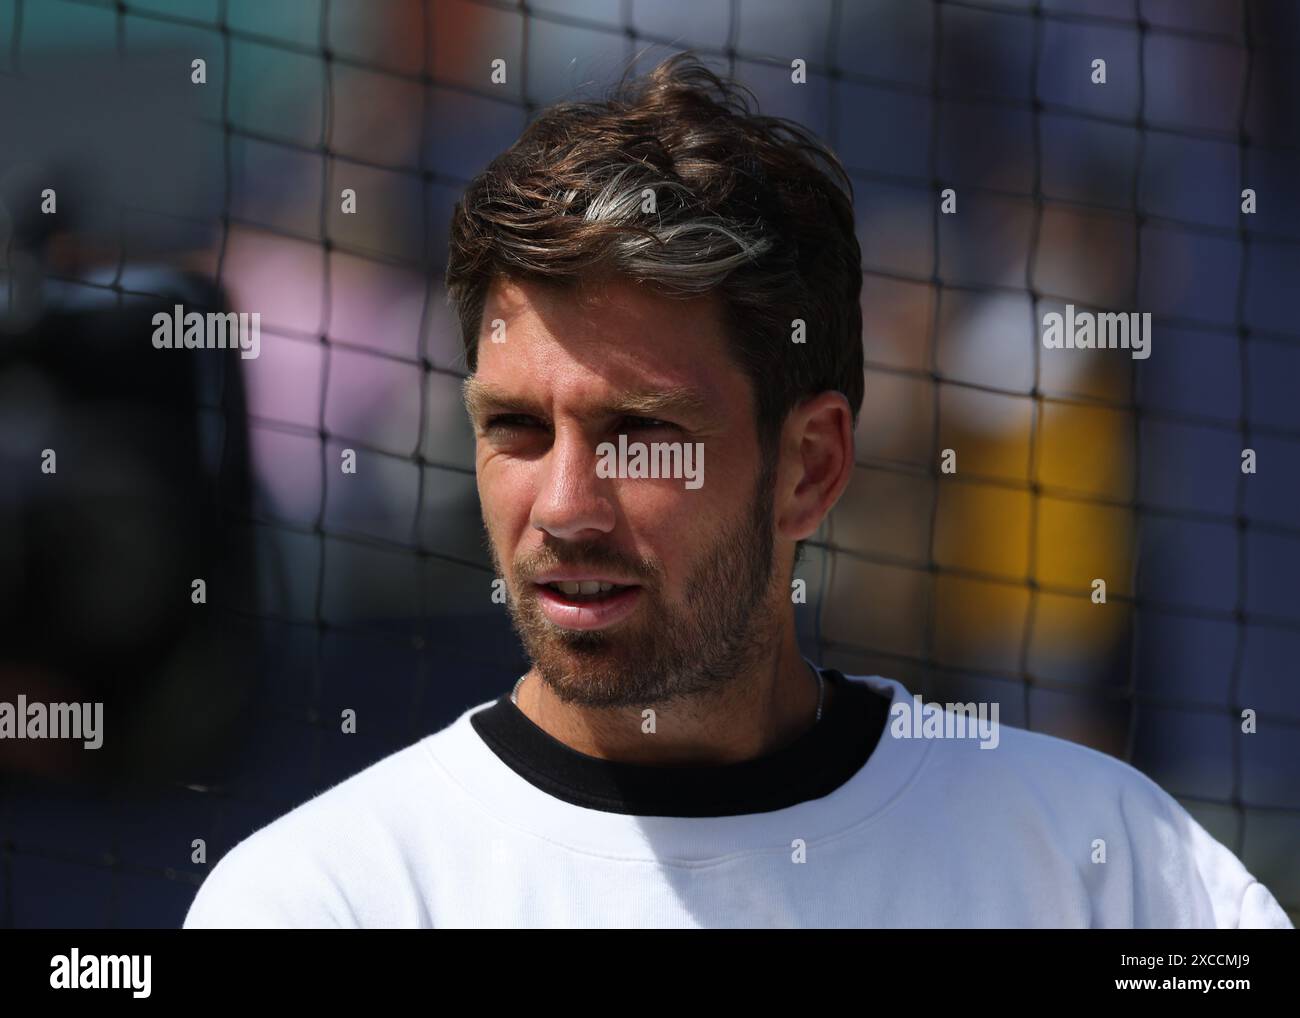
column 126, row 480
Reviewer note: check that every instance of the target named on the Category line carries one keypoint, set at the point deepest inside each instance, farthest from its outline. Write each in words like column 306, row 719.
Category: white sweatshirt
column 928, row 832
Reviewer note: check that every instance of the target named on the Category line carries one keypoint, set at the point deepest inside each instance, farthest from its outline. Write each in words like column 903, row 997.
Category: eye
column 643, row 423
column 499, row 423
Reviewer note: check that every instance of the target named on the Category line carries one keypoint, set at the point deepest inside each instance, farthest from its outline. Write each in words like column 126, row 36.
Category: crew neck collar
column 481, row 782
column 820, row 760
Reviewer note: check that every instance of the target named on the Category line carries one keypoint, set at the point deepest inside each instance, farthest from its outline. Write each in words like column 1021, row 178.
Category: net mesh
column 971, row 585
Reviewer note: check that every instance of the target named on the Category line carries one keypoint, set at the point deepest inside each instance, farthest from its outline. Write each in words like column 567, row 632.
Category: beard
column 665, row 651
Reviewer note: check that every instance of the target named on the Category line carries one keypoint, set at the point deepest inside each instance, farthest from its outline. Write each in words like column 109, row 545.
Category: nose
column 572, row 504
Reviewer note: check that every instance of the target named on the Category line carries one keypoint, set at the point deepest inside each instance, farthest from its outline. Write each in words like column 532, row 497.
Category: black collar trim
column 822, row 759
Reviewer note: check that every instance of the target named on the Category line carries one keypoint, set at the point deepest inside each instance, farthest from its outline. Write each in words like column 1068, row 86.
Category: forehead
column 607, row 336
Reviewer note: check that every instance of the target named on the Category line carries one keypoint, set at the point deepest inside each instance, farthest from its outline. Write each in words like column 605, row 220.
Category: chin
column 590, row 674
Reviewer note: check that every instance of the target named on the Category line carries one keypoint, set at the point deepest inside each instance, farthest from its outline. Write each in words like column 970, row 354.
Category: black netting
column 374, row 595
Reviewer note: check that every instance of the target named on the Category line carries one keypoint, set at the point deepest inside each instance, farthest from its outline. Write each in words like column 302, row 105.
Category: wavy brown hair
column 750, row 207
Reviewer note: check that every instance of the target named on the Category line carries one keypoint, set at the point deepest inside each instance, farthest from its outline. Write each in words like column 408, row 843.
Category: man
column 659, row 301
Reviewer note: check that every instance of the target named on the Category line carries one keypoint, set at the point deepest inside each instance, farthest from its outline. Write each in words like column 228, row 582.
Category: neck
column 758, row 711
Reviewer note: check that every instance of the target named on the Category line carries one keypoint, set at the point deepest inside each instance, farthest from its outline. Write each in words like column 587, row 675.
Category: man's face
column 691, row 567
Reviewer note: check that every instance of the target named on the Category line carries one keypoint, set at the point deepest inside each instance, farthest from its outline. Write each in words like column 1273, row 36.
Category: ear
column 816, row 463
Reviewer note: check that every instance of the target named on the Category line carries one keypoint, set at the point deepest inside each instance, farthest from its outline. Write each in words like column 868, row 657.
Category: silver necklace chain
column 821, row 691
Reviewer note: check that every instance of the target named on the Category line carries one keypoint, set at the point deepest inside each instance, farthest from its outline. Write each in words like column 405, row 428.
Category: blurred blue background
column 371, row 592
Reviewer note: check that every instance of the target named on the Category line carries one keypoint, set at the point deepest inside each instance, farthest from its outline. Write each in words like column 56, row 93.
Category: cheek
column 660, row 507
column 505, row 494
column 671, row 525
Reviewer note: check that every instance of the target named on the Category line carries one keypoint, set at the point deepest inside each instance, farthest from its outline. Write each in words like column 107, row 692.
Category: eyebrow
column 481, row 398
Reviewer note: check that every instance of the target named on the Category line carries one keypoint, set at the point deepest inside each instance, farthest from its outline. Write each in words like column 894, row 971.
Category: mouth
column 587, row 603
column 583, row 591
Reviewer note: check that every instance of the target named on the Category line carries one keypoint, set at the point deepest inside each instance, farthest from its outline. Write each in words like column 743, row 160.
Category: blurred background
column 371, row 592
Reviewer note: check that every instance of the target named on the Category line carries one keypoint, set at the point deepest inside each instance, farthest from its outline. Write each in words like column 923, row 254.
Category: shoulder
column 1083, row 805
column 308, row 867
column 973, row 746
